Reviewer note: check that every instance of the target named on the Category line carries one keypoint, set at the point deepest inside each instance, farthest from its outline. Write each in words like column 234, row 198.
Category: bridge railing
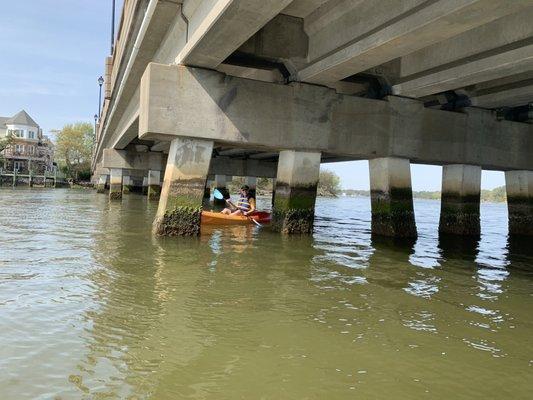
column 115, row 62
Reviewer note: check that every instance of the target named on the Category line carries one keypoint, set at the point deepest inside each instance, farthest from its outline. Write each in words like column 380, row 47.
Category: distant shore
column 496, row 195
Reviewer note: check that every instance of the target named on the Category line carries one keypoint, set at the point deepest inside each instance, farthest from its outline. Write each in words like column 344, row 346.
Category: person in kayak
column 245, row 205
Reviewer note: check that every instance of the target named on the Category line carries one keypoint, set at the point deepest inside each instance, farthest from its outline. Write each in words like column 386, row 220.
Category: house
column 30, row 149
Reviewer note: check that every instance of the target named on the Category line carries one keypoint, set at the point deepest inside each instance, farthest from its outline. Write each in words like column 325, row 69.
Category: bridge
column 201, row 89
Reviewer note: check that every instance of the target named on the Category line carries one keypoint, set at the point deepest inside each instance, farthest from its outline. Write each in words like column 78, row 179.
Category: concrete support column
column 392, row 197
column 461, row 190
column 180, row 206
column 207, row 190
column 251, row 181
column 274, row 190
column 127, row 184
column 296, row 185
column 519, row 187
column 220, row 184
column 145, row 186
column 154, row 184
column 101, row 184
column 115, row 183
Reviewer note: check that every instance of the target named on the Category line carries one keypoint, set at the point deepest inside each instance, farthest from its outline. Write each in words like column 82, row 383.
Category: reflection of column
column 519, row 252
column 154, row 185
column 296, row 185
column 461, row 188
column 519, row 187
column 180, row 205
column 115, row 184
column 392, row 197
column 464, row 248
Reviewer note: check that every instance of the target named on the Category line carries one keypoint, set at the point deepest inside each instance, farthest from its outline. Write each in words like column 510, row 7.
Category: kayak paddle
column 218, row 195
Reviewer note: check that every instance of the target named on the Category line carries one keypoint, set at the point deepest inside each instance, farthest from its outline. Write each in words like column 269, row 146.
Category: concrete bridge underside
column 204, row 88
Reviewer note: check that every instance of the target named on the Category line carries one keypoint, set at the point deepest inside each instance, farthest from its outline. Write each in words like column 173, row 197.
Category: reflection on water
column 92, row 306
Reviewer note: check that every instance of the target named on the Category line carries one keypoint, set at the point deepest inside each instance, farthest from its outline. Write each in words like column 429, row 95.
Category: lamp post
column 95, row 129
column 100, row 82
column 113, row 27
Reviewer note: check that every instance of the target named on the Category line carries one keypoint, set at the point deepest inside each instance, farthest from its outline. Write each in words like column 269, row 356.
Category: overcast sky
column 53, row 52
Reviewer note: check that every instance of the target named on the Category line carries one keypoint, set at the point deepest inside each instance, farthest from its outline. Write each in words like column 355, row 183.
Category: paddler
column 245, row 205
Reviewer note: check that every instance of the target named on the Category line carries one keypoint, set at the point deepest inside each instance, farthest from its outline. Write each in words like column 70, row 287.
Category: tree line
column 495, row 195
column 74, row 149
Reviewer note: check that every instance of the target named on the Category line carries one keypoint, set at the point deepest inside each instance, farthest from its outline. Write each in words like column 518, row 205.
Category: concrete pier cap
column 180, row 205
column 392, row 197
column 296, row 187
column 461, row 190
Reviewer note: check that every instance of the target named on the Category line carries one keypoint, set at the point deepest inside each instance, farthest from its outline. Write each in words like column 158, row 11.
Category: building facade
column 29, row 149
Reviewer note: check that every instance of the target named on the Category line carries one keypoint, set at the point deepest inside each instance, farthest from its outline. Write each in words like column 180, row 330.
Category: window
column 15, row 132
column 31, row 135
column 31, row 149
column 19, row 133
column 18, row 165
column 19, row 148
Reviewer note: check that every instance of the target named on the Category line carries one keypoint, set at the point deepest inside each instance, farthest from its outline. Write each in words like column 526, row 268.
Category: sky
column 53, row 52
column 354, row 175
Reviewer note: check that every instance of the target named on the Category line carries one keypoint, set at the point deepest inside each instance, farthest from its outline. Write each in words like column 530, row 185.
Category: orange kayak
column 216, row 218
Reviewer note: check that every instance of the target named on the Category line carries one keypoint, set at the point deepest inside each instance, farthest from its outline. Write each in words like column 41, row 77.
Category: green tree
column 74, row 147
column 329, row 183
column 4, row 142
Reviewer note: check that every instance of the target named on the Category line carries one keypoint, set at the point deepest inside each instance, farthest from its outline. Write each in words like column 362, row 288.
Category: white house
column 30, row 148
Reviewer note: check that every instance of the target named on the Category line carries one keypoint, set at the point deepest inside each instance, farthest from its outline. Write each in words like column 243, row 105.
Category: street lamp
column 95, row 121
column 100, row 82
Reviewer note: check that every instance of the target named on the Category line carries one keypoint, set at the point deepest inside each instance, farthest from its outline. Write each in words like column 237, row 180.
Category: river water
column 93, row 307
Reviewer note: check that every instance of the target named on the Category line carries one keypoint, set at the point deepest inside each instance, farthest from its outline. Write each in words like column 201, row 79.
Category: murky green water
column 93, row 307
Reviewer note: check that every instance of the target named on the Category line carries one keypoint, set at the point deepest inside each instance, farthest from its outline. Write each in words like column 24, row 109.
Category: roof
column 22, row 118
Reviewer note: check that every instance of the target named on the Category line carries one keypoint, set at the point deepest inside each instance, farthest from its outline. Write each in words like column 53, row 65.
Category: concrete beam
column 126, row 159
column 491, row 67
column 236, row 167
column 507, row 97
column 245, row 113
column 472, row 44
column 225, row 25
column 420, row 27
